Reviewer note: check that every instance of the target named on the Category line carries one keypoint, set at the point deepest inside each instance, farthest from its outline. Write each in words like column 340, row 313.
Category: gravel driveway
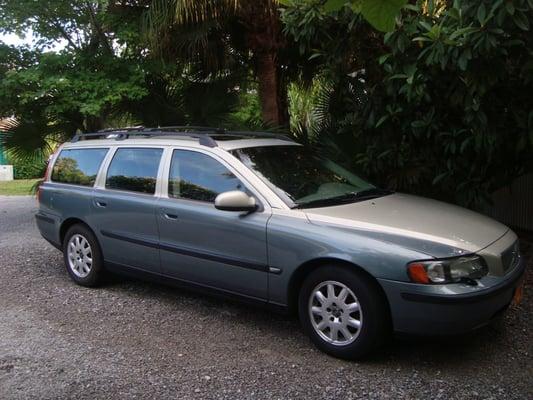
column 132, row 339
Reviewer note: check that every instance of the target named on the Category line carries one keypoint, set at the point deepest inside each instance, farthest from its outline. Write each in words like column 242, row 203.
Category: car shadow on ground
column 403, row 350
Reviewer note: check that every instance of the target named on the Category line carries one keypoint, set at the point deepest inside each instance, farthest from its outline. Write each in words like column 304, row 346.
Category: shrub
column 28, row 169
column 444, row 108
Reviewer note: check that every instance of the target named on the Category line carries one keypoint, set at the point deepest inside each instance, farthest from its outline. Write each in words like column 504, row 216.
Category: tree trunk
column 264, row 37
column 271, row 91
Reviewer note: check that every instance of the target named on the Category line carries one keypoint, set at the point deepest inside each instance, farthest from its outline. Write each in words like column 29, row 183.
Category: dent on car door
column 124, row 210
column 201, row 244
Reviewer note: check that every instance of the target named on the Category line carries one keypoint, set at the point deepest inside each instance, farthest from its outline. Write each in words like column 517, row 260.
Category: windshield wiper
column 350, row 197
column 372, row 193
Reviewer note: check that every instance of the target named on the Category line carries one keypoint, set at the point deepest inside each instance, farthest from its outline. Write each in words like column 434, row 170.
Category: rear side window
column 134, row 170
column 78, row 166
column 196, row 176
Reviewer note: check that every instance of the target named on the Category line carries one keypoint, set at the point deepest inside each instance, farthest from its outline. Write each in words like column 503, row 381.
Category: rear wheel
column 82, row 255
column 343, row 311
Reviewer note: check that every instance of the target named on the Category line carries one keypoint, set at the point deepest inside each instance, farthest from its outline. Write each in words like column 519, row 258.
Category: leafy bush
column 28, row 169
column 444, row 109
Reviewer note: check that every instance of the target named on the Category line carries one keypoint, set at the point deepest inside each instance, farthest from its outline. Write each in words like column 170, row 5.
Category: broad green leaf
column 418, row 124
column 439, row 178
column 426, row 25
column 465, row 143
column 333, row 5
column 414, row 7
column 481, row 14
column 381, row 121
column 421, row 39
column 384, row 58
column 462, row 62
column 462, row 31
column 356, row 6
column 398, row 76
column 381, row 14
column 521, row 21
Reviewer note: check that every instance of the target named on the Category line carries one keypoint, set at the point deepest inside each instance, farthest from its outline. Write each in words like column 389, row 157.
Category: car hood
column 433, row 227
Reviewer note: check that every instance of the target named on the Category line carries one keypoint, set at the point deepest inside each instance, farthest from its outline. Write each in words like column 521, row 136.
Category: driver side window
column 197, row 176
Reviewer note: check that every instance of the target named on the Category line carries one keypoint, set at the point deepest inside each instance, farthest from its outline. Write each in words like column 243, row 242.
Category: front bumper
column 448, row 309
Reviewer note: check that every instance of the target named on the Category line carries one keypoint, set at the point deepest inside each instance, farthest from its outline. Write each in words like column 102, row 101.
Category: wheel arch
column 299, row 275
column 69, row 222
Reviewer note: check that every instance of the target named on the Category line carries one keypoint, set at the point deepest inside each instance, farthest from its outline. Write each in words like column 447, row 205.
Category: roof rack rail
column 203, row 139
column 202, row 133
column 186, row 128
column 260, row 134
column 126, row 129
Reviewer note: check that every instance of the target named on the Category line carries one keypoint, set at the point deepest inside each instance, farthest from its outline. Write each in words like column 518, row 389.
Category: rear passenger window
column 134, row 170
column 196, row 176
column 78, row 166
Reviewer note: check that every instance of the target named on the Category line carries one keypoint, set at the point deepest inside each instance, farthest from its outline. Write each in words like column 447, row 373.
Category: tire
column 84, row 262
column 359, row 323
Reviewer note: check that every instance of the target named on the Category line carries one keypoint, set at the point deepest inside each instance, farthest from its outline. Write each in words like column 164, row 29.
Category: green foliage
column 447, row 109
column 440, row 104
column 247, row 114
column 381, row 14
column 64, row 84
column 460, row 84
column 104, row 77
column 51, row 95
column 27, row 169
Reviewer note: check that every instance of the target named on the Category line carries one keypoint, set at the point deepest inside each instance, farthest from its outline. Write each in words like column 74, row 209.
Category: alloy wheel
column 335, row 313
column 80, row 257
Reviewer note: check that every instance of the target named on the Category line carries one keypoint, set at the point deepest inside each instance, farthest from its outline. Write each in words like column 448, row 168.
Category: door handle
column 100, row 203
column 172, row 217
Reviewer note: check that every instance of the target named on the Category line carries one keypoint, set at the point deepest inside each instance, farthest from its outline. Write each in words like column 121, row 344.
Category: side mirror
column 235, row 200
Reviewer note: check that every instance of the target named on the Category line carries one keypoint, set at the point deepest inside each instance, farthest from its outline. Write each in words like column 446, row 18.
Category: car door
column 201, row 244
column 124, row 205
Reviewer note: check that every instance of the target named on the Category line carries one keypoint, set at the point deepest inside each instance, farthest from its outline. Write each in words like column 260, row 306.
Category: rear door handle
column 100, row 203
column 172, row 217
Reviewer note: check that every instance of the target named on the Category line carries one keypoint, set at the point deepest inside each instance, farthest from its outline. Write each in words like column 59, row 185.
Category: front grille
column 511, row 257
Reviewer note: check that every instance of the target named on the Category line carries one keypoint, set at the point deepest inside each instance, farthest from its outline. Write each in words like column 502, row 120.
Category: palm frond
column 206, row 43
column 27, row 140
column 165, row 15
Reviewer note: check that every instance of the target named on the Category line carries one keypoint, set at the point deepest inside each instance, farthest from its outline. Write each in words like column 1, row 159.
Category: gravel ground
column 131, row 339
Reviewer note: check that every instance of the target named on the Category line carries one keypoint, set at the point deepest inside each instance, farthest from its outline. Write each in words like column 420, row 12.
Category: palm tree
column 249, row 27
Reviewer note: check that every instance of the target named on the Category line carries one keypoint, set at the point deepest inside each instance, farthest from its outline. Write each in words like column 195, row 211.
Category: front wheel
column 343, row 311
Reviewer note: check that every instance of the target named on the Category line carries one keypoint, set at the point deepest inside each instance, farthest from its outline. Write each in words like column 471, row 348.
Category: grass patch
column 18, row 187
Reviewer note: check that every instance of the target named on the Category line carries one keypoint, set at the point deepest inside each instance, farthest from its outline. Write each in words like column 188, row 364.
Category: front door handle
column 172, row 217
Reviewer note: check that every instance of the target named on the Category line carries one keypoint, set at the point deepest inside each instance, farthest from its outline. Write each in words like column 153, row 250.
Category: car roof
column 191, row 136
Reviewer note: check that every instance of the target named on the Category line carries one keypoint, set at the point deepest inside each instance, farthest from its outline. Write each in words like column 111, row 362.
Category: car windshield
column 303, row 179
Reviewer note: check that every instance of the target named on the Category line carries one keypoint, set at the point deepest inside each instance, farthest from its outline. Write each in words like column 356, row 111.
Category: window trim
column 62, row 149
column 101, row 180
column 260, row 199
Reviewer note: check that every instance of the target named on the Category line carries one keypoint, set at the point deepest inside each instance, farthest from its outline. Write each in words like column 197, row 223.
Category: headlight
column 447, row 270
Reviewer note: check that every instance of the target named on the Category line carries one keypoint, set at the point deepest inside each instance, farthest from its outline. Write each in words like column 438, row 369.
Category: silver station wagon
column 262, row 218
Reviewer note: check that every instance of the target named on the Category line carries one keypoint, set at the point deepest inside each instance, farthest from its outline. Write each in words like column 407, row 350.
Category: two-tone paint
column 264, row 255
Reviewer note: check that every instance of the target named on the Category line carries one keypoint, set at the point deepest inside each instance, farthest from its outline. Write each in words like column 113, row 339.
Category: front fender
column 293, row 241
